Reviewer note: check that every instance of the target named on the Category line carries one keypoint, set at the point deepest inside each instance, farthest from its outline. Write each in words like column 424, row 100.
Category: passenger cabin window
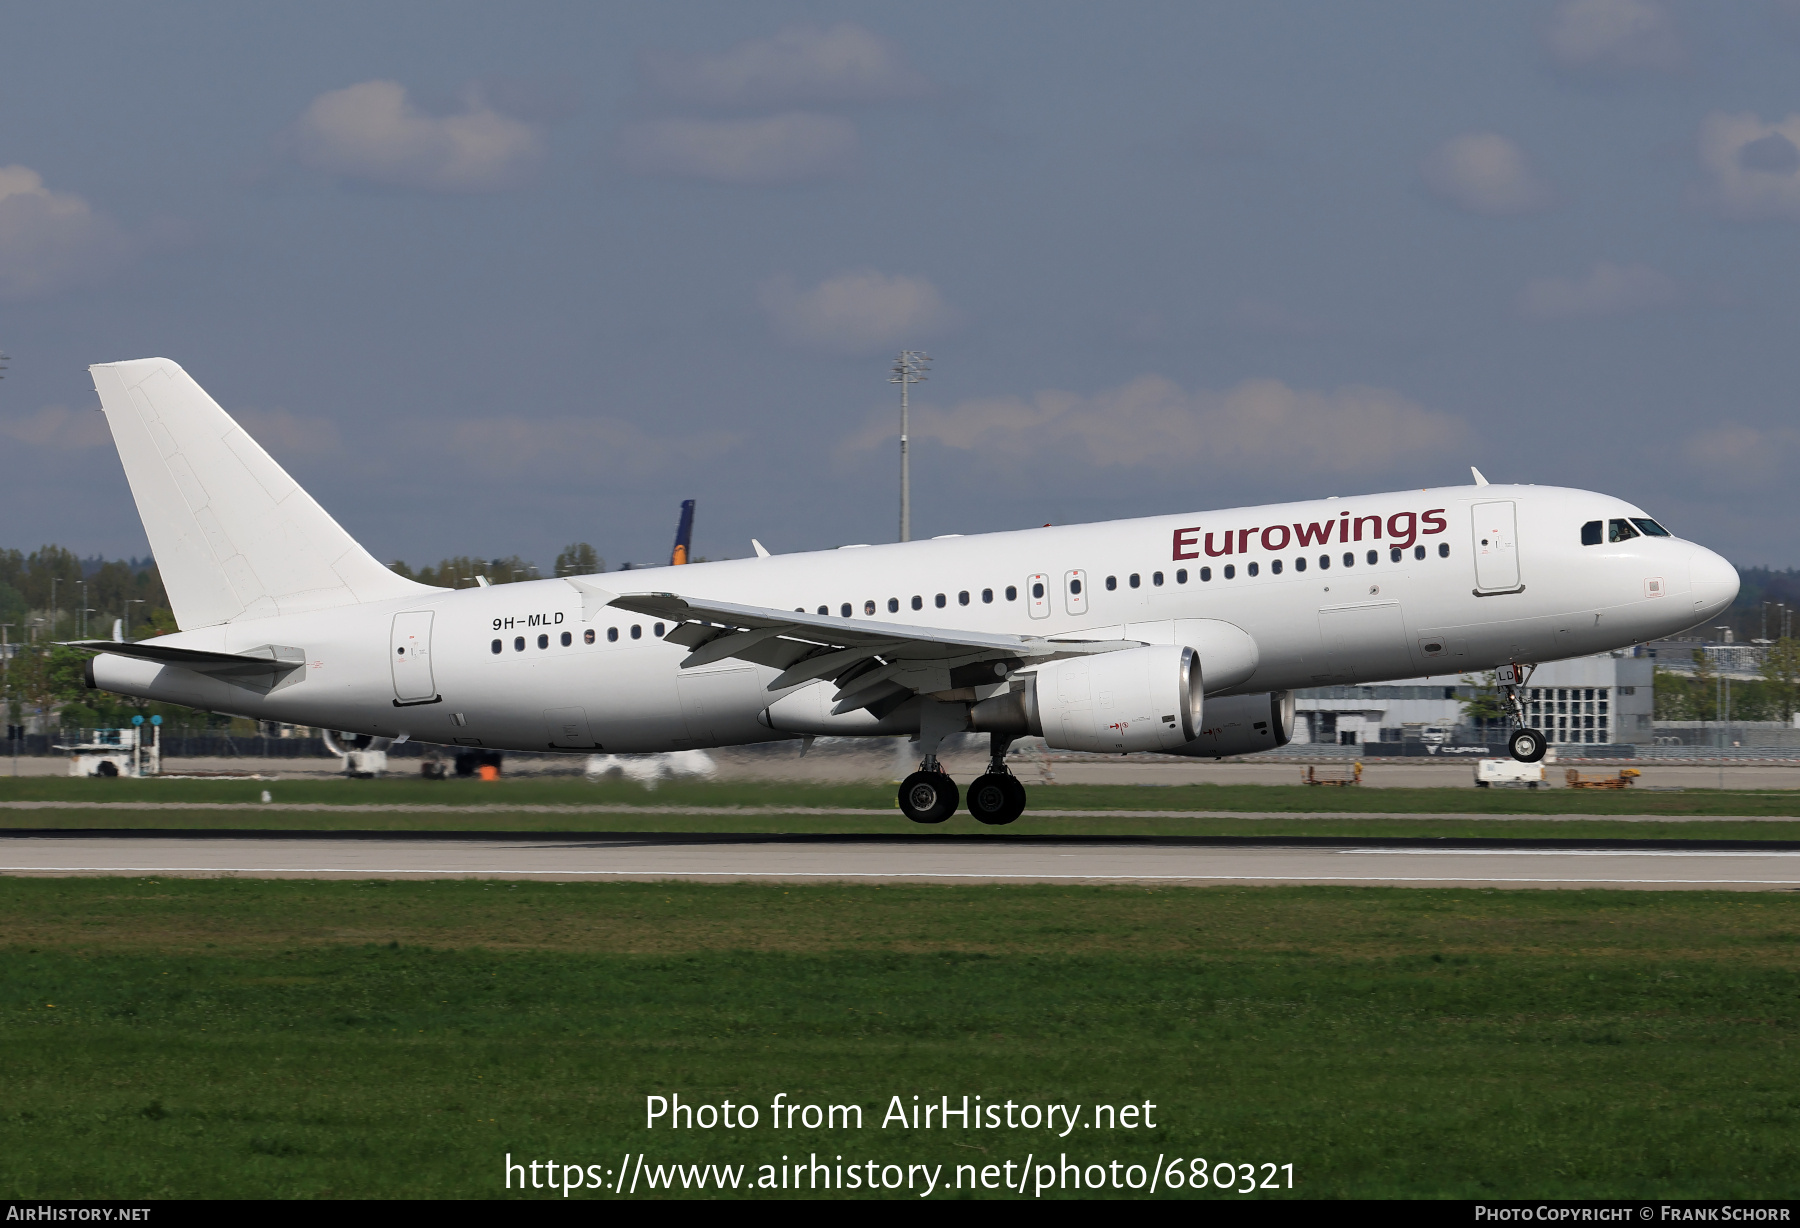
column 587, row 637
column 519, row 643
column 1418, row 552
column 1181, row 576
column 1349, row 559
column 567, row 639
column 1156, row 579
column 1300, row 564
column 893, row 605
column 1590, row 533
column 637, row 632
column 824, row 609
column 1650, row 527
column 1324, row 562
column 938, row 601
column 1037, row 592
column 962, row 598
column 612, row 635
column 868, row 607
column 1205, row 575
column 657, row 630
column 844, row 610
column 1134, row 580
column 987, row 596
column 1394, row 555
column 1251, row 569
column 1374, row 557
column 1620, row 531
column 497, row 645
column 1230, row 571
column 1112, row 582
column 1443, row 550
column 918, row 603
column 1275, row 567
column 1012, row 593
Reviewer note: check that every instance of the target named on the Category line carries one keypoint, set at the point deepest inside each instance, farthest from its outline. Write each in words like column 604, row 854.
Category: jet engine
column 1243, row 725
column 1135, row 699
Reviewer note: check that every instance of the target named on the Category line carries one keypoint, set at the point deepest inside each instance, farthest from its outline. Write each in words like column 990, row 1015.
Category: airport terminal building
column 1600, row 700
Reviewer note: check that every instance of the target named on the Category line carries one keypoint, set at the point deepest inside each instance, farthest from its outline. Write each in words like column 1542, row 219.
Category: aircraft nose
column 1714, row 582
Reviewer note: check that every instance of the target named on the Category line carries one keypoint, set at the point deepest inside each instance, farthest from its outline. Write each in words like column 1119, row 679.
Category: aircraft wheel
column 1527, row 745
column 997, row 799
column 928, row 797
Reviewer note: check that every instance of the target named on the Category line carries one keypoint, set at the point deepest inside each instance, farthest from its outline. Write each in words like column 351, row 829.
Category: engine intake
column 1133, row 700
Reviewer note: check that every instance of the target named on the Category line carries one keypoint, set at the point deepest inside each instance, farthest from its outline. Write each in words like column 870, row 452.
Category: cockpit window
column 1620, row 531
column 1590, row 533
column 1650, row 527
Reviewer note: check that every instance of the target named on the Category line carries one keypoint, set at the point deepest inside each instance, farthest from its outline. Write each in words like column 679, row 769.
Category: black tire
column 1527, row 745
column 996, row 799
column 928, row 797
column 1481, row 784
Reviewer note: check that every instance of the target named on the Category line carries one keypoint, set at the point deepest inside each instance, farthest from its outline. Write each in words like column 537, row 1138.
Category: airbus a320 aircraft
column 1181, row 635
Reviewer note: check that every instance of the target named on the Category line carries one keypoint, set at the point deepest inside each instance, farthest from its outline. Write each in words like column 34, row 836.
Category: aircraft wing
column 876, row 665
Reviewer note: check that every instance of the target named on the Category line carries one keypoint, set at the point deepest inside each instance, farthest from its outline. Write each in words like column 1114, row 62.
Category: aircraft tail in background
column 684, row 535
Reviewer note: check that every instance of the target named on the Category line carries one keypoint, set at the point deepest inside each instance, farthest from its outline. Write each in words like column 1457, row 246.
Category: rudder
column 234, row 536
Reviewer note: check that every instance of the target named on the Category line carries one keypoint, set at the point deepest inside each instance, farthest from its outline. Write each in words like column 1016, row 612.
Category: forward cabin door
column 410, row 655
column 1496, row 546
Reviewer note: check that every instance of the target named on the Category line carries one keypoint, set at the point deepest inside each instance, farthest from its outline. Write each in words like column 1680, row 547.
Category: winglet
column 762, row 551
column 1479, row 480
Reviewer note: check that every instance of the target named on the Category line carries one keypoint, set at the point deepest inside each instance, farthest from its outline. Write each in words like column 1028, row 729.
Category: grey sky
column 497, row 278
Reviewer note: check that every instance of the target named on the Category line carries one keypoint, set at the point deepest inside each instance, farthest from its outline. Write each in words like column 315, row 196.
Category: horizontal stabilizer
column 268, row 658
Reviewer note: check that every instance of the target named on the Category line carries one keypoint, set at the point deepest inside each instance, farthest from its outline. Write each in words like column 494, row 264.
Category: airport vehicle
column 1179, row 635
column 1490, row 772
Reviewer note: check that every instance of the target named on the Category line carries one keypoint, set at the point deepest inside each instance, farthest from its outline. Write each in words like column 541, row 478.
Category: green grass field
column 260, row 1039
column 756, row 807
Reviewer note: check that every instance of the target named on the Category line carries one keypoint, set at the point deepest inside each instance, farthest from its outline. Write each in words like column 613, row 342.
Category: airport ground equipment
column 1504, row 772
column 1311, row 777
column 1621, row 781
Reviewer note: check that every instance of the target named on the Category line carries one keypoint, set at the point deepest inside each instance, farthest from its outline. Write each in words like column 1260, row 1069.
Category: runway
column 713, row 858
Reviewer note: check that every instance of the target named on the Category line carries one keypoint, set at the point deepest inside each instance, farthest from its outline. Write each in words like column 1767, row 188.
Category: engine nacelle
column 1135, row 699
column 1243, row 725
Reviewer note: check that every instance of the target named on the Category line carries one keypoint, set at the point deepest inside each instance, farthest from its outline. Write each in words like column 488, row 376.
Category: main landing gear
column 1527, row 745
column 995, row 798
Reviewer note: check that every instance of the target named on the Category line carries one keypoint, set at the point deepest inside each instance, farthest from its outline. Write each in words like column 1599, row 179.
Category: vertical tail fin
column 234, row 536
column 684, row 535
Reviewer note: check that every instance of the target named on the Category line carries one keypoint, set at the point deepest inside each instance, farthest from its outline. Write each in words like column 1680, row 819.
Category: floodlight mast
column 909, row 369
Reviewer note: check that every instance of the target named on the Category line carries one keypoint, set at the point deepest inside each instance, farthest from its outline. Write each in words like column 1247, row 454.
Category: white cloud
column 1752, row 168
column 49, row 240
column 799, row 66
column 1614, row 38
column 1485, row 173
column 509, row 448
column 1607, row 290
column 1152, row 423
column 785, row 148
column 1734, row 455
column 855, row 312
column 373, row 132
column 57, row 427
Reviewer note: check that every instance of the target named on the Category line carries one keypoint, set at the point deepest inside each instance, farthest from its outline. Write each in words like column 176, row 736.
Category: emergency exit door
column 410, row 655
column 1496, row 543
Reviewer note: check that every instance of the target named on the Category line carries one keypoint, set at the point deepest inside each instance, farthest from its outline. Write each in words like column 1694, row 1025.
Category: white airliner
column 1183, row 635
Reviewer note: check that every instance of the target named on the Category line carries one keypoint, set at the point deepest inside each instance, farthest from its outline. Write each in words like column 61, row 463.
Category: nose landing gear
column 1527, row 745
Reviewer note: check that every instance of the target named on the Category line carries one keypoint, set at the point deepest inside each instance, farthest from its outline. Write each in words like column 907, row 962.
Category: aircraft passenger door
column 1037, row 595
column 410, row 655
column 1075, row 592
column 1496, row 546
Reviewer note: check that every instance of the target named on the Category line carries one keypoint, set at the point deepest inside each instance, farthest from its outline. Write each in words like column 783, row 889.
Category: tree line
column 1703, row 696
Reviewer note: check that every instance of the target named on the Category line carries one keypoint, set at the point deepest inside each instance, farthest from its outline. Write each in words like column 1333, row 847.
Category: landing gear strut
column 997, row 798
column 1527, row 745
